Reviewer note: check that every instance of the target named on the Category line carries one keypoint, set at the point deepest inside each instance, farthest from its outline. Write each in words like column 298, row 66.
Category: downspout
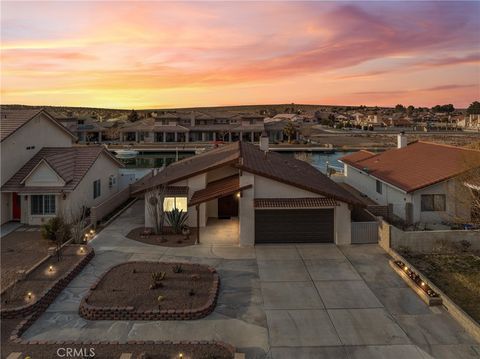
column 198, row 223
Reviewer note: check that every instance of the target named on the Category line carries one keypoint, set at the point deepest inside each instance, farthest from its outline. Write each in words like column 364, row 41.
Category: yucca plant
column 176, row 218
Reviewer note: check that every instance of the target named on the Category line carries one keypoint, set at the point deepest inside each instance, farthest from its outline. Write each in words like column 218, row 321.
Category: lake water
column 141, row 164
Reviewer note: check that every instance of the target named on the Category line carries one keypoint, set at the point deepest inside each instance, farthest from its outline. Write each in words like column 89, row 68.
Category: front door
column 228, row 206
column 16, row 206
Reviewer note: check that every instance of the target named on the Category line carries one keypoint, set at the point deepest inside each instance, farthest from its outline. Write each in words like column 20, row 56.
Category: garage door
column 294, row 226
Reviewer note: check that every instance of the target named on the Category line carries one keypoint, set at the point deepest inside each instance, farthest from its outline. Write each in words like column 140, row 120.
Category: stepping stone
column 15, row 355
column 126, row 356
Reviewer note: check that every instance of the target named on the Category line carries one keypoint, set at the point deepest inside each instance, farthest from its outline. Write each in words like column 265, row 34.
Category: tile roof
column 12, row 120
column 418, row 165
column 306, row 202
column 250, row 158
column 70, row 163
column 357, row 156
column 217, row 189
column 191, row 166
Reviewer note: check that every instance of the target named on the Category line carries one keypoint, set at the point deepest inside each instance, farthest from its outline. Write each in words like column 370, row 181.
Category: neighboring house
column 23, row 133
column 418, row 180
column 60, row 181
column 277, row 199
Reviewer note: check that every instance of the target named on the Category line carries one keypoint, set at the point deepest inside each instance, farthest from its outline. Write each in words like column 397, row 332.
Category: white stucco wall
column 38, row 132
column 6, row 207
column 246, row 212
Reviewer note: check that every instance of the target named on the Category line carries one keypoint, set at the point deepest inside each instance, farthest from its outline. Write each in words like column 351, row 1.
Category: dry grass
column 456, row 274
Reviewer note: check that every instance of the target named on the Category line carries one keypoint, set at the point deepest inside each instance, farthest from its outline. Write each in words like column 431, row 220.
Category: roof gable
column 12, row 120
column 43, row 175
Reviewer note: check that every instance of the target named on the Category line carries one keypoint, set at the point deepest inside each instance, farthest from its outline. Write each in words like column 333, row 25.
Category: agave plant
column 176, row 218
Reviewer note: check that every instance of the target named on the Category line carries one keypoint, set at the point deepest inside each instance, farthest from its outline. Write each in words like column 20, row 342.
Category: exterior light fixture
column 180, row 356
column 29, row 295
column 50, row 269
column 405, row 268
column 92, row 232
column 82, row 250
column 239, row 195
column 423, row 284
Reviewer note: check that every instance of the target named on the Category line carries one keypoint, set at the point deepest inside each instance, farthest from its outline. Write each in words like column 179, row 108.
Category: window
column 433, row 202
column 96, row 188
column 42, row 204
column 169, row 203
column 379, row 187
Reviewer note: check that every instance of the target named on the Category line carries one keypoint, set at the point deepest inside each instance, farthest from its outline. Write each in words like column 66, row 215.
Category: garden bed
column 129, row 292
column 169, row 239
column 456, row 274
column 40, row 287
column 110, row 350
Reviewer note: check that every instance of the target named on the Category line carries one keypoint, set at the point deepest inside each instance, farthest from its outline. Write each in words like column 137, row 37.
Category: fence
column 423, row 241
column 99, row 212
column 364, row 232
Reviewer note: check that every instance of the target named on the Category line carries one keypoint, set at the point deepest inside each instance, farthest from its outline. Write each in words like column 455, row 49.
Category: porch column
column 214, row 136
column 203, row 136
column 187, row 136
column 164, row 137
column 175, row 137
column 99, row 136
column 252, row 137
column 229, row 137
column 136, row 136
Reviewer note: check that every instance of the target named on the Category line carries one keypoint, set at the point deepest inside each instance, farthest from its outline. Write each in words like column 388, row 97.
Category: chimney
column 401, row 140
column 264, row 142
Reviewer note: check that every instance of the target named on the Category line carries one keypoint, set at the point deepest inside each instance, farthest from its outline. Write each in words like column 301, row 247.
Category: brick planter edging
column 48, row 296
column 92, row 312
column 22, row 327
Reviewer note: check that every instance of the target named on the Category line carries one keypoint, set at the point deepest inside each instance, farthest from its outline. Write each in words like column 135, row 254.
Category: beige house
column 274, row 198
column 43, row 175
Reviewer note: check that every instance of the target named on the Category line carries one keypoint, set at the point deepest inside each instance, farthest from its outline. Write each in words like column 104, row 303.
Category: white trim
column 36, row 166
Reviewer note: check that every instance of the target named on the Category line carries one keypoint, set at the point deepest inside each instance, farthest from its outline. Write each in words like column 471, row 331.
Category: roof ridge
column 446, row 145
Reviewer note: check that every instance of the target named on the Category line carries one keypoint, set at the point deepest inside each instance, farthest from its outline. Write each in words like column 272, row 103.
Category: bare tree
column 465, row 190
column 154, row 201
column 78, row 221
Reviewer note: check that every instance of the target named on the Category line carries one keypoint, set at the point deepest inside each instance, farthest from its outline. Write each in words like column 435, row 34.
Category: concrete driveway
column 295, row 301
column 324, row 301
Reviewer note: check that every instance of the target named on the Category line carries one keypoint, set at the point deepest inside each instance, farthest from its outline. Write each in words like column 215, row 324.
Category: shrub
column 176, row 219
column 177, row 268
column 57, row 230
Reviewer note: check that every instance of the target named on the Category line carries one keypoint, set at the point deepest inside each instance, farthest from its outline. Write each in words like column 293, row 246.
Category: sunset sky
column 183, row 54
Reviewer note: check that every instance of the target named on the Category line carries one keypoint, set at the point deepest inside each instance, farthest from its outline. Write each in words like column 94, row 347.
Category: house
column 43, row 175
column 275, row 198
column 62, row 181
column 23, row 133
column 418, row 181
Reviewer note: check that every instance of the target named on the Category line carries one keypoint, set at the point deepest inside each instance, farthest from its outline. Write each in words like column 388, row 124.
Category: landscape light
column 406, row 268
column 50, row 269
column 92, row 231
column 180, row 355
column 423, row 284
column 82, row 249
column 29, row 295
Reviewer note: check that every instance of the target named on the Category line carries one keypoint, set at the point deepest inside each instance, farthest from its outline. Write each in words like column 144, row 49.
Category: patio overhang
column 223, row 187
column 306, row 202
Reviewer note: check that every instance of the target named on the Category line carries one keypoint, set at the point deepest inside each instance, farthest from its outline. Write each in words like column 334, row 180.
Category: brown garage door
column 294, row 226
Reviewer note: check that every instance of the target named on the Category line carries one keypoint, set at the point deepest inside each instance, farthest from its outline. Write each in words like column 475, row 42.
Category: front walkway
column 295, row 301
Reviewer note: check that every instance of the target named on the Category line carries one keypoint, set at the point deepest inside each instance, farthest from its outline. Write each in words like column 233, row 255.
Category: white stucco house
column 44, row 175
column 419, row 181
column 275, row 198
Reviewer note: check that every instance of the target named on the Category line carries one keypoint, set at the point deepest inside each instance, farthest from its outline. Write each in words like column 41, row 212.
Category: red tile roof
column 224, row 187
column 250, row 158
column 12, row 120
column 418, row 165
column 308, row 202
column 70, row 163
